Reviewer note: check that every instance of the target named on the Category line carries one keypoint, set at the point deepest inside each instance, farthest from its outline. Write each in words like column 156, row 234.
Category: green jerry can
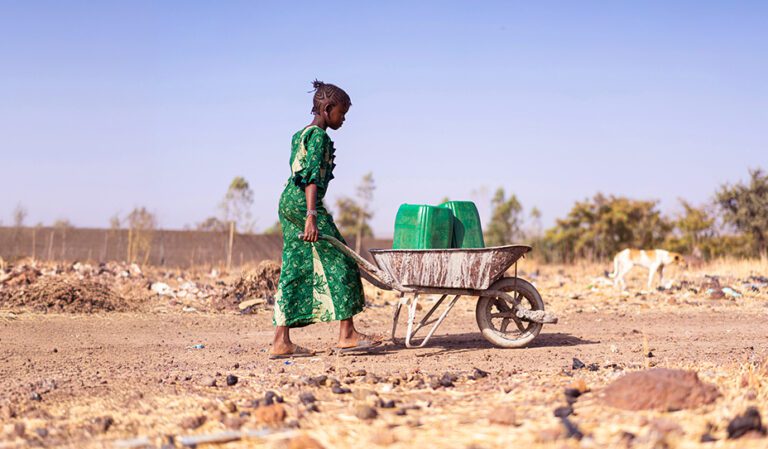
column 419, row 226
column 467, row 231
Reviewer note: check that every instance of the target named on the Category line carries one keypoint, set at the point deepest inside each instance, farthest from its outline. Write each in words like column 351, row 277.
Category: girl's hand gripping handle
column 310, row 229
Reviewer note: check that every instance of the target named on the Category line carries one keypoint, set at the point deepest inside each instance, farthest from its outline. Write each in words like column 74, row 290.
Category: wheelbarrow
column 509, row 310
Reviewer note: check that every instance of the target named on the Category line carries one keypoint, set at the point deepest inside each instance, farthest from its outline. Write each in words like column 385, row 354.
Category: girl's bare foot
column 281, row 348
column 349, row 337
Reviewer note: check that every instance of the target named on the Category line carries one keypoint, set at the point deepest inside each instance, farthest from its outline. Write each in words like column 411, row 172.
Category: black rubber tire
column 529, row 297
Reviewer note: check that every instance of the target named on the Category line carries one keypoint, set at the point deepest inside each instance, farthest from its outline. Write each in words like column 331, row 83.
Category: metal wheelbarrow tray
column 473, row 269
column 479, row 272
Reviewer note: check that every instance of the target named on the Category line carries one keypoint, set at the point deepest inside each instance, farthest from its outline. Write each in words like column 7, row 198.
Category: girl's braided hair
column 328, row 94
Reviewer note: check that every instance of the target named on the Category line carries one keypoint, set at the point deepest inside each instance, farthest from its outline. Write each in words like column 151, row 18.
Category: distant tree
column 275, row 229
column 212, row 224
column 506, row 219
column 745, row 207
column 535, row 228
column 354, row 214
column 19, row 215
column 597, row 228
column 444, row 200
column 237, row 203
column 694, row 227
column 62, row 223
column 114, row 222
column 141, row 226
column 348, row 218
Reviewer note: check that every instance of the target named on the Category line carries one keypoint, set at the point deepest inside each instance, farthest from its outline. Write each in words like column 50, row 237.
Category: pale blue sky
column 109, row 105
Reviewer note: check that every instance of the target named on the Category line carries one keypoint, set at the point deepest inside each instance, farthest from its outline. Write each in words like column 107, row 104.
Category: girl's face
column 335, row 115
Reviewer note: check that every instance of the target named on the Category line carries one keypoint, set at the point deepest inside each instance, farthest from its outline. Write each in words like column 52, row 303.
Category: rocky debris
column 101, row 424
column 338, row 389
column 505, row 416
column 261, row 283
column 477, row 373
column 208, row 381
column 270, row 397
column 270, row 415
column 743, row 424
column 231, row 380
column 659, row 389
column 563, row 411
column 383, row 437
column 387, row 403
column 577, row 364
column 193, row 422
column 446, row 381
column 365, row 412
column 571, row 429
column 303, row 442
column 307, row 398
column 54, row 294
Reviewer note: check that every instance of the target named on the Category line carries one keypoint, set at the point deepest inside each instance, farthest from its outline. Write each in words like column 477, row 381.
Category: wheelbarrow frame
column 381, row 278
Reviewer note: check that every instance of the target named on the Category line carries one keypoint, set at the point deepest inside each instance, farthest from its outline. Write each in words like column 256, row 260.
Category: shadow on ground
column 469, row 342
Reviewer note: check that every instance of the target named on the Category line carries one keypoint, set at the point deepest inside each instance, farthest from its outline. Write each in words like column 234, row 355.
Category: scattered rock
column 303, row 442
column 564, row 411
column 193, row 422
column 365, row 412
column 233, row 422
column 387, row 404
column 478, row 374
column 748, row 422
column 270, row 397
column 231, row 380
column 307, row 398
column 383, row 437
column 19, row 429
column 35, row 396
column 577, row 364
column 447, row 380
column 271, row 415
column 208, row 381
column 504, row 416
column 338, row 389
column 659, row 389
column 571, row 430
column 102, row 424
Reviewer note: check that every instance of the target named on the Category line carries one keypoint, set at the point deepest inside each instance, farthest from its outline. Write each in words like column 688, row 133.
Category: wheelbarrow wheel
column 496, row 319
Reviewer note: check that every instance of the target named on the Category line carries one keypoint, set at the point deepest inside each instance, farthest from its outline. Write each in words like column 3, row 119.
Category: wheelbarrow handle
column 374, row 271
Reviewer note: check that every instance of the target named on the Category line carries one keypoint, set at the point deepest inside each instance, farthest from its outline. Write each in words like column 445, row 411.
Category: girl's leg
column 282, row 344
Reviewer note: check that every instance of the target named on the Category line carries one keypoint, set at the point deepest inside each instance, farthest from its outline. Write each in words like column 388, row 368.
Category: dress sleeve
column 309, row 167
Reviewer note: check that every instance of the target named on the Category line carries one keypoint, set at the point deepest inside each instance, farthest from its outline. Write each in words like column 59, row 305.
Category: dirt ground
column 106, row 379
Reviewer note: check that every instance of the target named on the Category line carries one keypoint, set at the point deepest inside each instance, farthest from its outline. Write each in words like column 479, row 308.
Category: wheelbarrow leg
column 410, row 333
column 396, row 316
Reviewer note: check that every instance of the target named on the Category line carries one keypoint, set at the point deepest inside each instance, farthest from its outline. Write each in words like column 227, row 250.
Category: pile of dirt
column 260, row 284
column 659, row 389
column 56, row 294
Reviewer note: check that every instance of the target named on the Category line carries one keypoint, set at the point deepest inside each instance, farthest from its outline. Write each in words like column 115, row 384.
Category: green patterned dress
column 317, row 281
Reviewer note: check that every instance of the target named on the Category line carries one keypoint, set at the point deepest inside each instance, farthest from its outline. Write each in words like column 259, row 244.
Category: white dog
column 654, row 260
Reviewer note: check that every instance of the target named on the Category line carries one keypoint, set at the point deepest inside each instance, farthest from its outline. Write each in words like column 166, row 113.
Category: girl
column 317, row 282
